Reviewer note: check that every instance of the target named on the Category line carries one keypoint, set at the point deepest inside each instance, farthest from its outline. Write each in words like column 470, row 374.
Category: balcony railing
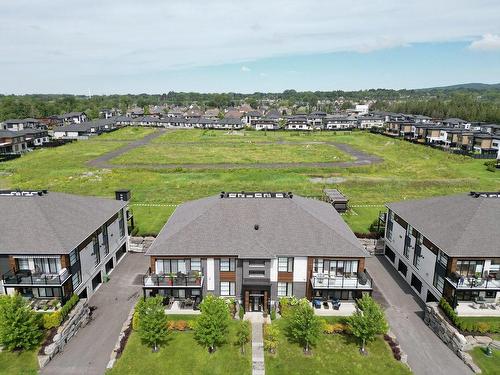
column 190, row 280
column 325, row 281
column 26, row 277
column 473, row 283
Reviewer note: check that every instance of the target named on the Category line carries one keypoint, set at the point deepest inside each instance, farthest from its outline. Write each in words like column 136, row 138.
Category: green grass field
column 182, row 355
column 488, row 365
column 18, row 363
column 408, row 171
column 334, row 354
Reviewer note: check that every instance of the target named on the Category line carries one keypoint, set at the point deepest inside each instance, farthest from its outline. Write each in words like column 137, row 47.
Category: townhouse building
column 21, row 124
column 266, row 123
column 256, row 248
column 447, row 247
column 368, row 122
column 53, row 245
column 12, row 142
column 297, row 122
column 73, row 117
column 340, row 122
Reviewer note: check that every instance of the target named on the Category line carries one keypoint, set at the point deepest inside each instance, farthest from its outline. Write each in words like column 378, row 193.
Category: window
column 417, row 256
column 49, row 292
column 47, row 265
column 257, row 273
column 74, row 257
column 256, row 263
column 402, row 267
column 227, row 264
column 285, row 289
column 227, row 288
column 390, row 254
column 285, row 264
column 121, row 223
column 95, row 250
column 318, row 265
column 195, row 264
column 166, row 266
column 469, row 268
column 23, row 264
column 76, row 280
column 105, row 239
column 416, row 283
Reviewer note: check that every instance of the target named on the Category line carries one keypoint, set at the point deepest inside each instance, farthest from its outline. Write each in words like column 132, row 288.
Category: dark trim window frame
column 285, row 264
column 227, row 265
column 95, row 250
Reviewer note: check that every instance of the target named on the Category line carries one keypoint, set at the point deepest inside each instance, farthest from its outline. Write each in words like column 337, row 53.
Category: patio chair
column 317, row 303
column 336, row 304
column 325, row 305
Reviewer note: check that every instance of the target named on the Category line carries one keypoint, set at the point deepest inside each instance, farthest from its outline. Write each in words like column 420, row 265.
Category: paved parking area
column 88, row 352
column 427, row 354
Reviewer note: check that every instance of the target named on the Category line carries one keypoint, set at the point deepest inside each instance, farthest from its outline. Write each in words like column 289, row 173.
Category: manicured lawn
column 408, row 171
column 334, row 354
column 18, row 363
column 183, row 355
column 488, row 365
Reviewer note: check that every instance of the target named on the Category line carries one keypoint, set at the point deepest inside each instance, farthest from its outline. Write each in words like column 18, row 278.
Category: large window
column 469, row 268
column 227, row 288
column 390, row 254
column 74, row 256
column 76, row 279
column 121, row 223
column 105, row 239
column 227, row 264
column 49, row 292
column 166, row 266
column 340, row 268
column 47, row 265
column 95, row 250
column 23, row 264
column 318, row 265
column 195, row 264
column 390, row 224
column 285, row 289
column 257, row 263
column 440, row 271
column 285, row 264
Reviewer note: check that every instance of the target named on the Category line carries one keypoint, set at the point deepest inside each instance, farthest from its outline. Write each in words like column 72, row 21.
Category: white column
column 300, row 269
column 210, row 274
column 274, row 270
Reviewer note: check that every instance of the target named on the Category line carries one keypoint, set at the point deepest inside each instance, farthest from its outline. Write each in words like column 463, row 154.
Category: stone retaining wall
column 140, row 244
column 457, row 342
column 78, row 318
column 120, row 342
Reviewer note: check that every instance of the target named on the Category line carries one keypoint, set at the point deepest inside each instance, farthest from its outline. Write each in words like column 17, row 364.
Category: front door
column 256, row 303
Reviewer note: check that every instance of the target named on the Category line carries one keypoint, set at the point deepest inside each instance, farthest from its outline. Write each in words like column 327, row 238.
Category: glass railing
column 325, row 281
column 23, row 277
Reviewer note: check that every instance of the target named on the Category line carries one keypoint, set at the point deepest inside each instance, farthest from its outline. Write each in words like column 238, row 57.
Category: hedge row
column 465, row 325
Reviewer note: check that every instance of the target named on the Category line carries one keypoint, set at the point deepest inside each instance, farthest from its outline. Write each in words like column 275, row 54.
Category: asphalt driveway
column 427, row 354
column 88, row 352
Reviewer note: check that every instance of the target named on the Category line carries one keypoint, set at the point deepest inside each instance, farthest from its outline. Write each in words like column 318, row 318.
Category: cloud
column 488, row 42
column 245, row 68
column 124, row 40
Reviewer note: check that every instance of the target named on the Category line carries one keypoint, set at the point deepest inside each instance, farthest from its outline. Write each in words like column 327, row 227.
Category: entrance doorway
column 256, row 302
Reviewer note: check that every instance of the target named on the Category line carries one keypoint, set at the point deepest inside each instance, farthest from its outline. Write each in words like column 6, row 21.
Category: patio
column 177, row 308
column 471, row 308
column 346, row 308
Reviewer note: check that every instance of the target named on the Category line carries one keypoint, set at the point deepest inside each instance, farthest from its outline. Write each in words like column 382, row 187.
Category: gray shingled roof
column 54, row 223
column 287, row 227
column 460, row 225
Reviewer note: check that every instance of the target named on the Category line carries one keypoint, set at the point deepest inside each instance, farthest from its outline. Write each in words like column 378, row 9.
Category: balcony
column 325, row 281
column 472, row 283
column 192, row 279
column 26, row 277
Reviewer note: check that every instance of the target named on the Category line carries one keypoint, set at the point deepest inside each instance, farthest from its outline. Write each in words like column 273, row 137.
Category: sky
column 157, row 46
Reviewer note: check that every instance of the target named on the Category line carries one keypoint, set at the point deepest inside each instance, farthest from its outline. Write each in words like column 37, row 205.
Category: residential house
column 368, row 122
column 74, row 117
column 266, row 123
column 21, row 124
column 447, row 246
column 12, row 142
column 35, row 137
column 79, row 131
column 456, row 123
column 250, row 118
column 297, row 122
column 53, row 245
column 256, row 248
column 340, row 122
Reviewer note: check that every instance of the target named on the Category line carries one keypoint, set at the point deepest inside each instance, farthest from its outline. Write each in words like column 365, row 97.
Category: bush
column 335, row 328
column 271, row 334
column 180, row 325
column 135, row 321
column 273, row 314
column 491, row 165
column 465, row 325
column 241, row 312
column 482, row 327
column 191, row 324
column 56, row 318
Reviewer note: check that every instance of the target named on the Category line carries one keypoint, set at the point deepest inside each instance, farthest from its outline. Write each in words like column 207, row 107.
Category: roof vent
column 256, row 227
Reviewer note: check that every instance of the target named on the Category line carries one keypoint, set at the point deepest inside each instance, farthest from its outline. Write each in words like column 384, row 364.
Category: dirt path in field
column 361, row 158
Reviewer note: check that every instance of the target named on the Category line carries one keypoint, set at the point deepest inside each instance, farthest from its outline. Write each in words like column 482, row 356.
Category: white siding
column 300, row 269
column 210, row 274
column 274, row 270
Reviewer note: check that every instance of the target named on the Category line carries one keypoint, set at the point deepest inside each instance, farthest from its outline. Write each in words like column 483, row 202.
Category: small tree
column 368, row 321
column 20, row 326
column 304, row 326
column 271, row 333
column 152, row 322
column 243, row 334
column 212, row 326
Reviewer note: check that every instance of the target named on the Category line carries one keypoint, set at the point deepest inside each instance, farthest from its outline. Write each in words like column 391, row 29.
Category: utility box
column 123, row 195
column 337, row 199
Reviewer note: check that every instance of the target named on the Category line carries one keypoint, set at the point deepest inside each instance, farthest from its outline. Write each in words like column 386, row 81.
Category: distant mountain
column 466, row 86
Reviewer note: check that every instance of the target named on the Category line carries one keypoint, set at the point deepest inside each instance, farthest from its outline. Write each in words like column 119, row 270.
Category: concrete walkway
column 257, row 320
column 427, row 354
column 88, row 352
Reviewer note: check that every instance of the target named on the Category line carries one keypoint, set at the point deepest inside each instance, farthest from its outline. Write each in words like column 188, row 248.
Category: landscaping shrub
column 135, row 321
column 271, row 334
column 241, row 312
column 482, row 327
column 273, row 313
column 180, row 325
column 491, row 165
column 466, row 325
column 191, row 324
column 334, row 328
column 56, row 318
